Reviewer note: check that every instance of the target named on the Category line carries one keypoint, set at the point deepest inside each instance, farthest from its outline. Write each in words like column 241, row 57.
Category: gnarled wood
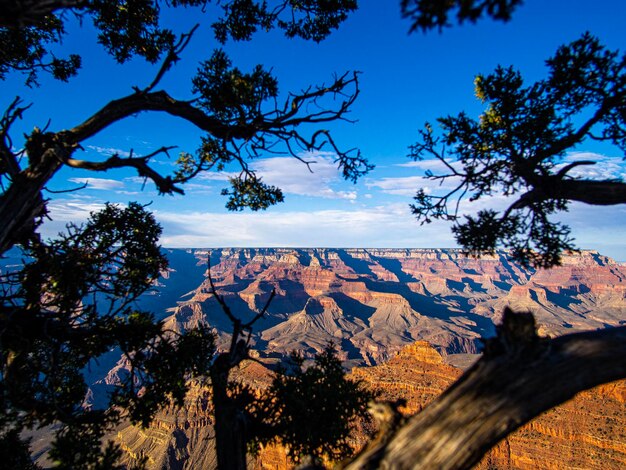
column 519, row 377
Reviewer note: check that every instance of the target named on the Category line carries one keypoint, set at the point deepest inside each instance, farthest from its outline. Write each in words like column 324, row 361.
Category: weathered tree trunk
column 23, row 203
column 230, row 424
column 519, row 377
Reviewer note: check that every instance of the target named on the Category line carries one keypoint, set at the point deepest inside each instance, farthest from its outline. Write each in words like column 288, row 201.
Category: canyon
column 372, row 302
column 405, row 321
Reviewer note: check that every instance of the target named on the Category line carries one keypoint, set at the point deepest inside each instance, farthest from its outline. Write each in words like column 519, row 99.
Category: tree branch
column 164, row 184
column 597, row 193
column 14, row 111
column 23, row 13
column 519, row 376
column 122, row 108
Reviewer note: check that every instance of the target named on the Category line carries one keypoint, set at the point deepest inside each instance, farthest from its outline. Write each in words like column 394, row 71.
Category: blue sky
column 405, row 81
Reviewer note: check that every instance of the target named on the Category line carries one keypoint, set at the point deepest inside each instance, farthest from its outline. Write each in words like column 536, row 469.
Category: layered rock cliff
column 382, row 308
column 372, row 302
column 587, row 432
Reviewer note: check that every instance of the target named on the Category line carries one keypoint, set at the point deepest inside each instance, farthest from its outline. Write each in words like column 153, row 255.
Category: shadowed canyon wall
column 383, row 308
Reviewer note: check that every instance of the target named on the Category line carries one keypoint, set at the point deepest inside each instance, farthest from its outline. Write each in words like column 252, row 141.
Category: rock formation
column 372, row 302
column 587, row 432
column 383, row 308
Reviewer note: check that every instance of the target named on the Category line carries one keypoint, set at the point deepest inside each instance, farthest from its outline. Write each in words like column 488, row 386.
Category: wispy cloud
column 99, row 183
column 293, row 176
column 605, row 168
column 109, row 151
column 390, row 225
column 402, row 186
column 408, row 185
column 432, row 164
column 214, row 176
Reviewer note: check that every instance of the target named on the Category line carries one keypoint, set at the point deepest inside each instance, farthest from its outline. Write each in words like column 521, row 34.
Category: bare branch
column 62, row 191
column 165, row 185
column 218, row 297
column 130, row 105
column 566, row 169
column 598, row 193
column 13, row 112
column 518, row 377
column 172, row 57
column 261, row 314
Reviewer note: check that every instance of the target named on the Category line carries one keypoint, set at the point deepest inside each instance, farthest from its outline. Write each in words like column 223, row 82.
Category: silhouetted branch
column 519, row 376
column 21, row 13
column 9, row 160
column 172, row 57
column 165, row 185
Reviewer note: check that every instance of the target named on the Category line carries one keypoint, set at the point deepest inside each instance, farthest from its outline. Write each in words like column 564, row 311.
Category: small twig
column 171, row 58
column 258, row 316
column 61, row 191
column 218, row 297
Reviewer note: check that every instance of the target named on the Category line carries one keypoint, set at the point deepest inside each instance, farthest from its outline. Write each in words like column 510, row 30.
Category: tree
column 311, row 410
column 239, row 112
column 242, row 119
column 516, row 148
column 426, row 15
column 75, row 297
column 73, row 300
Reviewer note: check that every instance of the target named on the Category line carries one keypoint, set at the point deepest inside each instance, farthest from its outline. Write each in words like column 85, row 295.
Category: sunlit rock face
column 588, row 432
column 372, row 302
column 402, row 317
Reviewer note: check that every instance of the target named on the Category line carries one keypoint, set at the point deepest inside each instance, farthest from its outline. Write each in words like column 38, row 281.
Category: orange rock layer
column 587, row 432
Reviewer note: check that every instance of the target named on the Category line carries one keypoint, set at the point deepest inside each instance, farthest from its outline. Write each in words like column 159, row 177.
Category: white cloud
column 110, row 151
column 432, row 164
column 605, row 168
column 214, row 176
column 403, row 186
column 384, row 226
column 408, row 185
column 99, row 183
column 293, row 176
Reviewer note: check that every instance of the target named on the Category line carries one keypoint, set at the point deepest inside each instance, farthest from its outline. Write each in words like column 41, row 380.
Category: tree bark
column 597, row 193
column 23, row 203
column 230, row 422
column 517, row 378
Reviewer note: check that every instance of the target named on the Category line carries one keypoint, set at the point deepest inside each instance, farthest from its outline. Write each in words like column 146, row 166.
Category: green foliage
column 429, row 14
column 252, row 193
column 74, row 300
column 25, row 50
column 229, row 94
column 517, row 146
column 312, row 410
column 307, row 19
column 29, row 31
column 239, row 111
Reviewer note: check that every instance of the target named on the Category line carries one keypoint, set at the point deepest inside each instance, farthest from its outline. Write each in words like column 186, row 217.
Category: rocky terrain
column 372, row 302
column 384, row 309
column 588, row 432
